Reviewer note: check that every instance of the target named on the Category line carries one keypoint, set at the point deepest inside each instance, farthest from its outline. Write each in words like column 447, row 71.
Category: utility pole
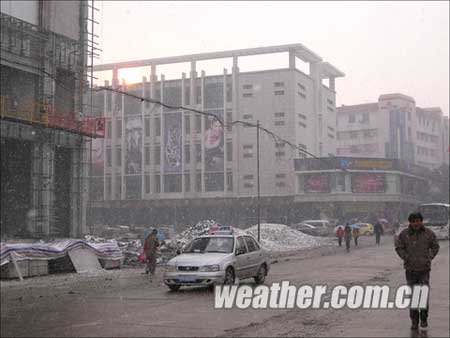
column 257, row 180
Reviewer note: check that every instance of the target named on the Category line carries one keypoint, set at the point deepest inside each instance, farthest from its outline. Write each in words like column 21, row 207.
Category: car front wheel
column 261, row 275
column 229, row 276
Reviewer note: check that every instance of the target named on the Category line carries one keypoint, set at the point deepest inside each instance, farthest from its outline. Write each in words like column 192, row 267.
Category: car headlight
column 210, row 268
column 171, row 268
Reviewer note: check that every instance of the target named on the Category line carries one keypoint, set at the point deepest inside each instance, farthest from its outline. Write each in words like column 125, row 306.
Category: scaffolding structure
column 57, row 60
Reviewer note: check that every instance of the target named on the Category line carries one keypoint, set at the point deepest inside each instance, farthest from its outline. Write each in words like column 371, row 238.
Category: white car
column 324, row 227
column 218, row 259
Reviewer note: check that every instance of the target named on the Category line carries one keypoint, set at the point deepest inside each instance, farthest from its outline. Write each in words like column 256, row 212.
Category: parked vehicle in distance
column 312, row 230
column 324, row 226
column 218, row 258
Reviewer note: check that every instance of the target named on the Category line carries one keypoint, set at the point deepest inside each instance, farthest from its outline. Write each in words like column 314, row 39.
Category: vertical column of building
column 123, row 145
column 225, row 131
column 202, row 108
column 183, row 132
column 193, row 104
column 333, row 85
column 291, row 59
column 114, row 114
column 163, row 133
column 314, row 72
column 105, row 115
column 235, row 130
column 85, row 184
column 74, row 189
column 153, row 79
column 48, row 172
column 143, row 131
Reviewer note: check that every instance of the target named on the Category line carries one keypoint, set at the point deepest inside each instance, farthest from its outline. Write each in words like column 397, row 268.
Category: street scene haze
column 224, row 168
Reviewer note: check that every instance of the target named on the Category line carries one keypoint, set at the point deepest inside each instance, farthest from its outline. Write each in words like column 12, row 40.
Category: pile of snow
column 185, row 237
column 280, row 237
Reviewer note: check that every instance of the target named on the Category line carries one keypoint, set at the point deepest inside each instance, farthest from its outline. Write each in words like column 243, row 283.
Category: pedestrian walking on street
column 396, row 227
column 355, row 233
column 150, row 246
column 378, row 229
column 417, row 246
column 347, row 236
column 340, row 235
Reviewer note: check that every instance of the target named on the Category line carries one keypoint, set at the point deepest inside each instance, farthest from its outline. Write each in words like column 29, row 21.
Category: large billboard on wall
column 368, row 183
column 133, row 156
column 214, row 141
column 316, row 183
column 172, row 142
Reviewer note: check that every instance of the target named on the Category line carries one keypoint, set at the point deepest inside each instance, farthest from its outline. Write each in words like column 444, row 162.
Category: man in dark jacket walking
column 378, row 229
column 150, row 246
column 417, row 246
column 347, row 236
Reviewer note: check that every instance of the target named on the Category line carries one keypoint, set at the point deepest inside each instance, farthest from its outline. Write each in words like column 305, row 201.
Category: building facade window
column 118, row 128
column 147, row 183
column 157, row 153
column 187, row 182
column 198, row 152
column 187, row 124
column 198, row 124
column 147, row 154
column 187, row 153
column 157, row 183
column 248, row 151
column 147, row 127
column 229, row 181
column 278, row 92
column 108, row 129
column 108, row 157
column 157, row 121
column 119, row 156
column 229, row 152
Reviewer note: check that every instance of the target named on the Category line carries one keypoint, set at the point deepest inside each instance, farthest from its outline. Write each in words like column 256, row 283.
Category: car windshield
column 211, row 244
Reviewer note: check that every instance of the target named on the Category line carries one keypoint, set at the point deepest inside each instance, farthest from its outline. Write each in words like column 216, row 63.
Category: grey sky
column 383, row 47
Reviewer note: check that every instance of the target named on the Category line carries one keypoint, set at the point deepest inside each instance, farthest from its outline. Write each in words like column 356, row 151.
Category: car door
column 255, row 255
column 242, row 259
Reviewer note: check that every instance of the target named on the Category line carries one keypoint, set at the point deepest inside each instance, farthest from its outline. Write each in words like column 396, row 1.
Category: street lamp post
column 257, row 181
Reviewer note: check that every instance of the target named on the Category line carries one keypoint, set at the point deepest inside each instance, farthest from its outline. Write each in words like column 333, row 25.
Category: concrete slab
column 84, row 260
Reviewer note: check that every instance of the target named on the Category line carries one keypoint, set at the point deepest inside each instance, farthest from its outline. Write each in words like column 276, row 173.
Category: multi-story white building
column 395, row 128
column 169, row 157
